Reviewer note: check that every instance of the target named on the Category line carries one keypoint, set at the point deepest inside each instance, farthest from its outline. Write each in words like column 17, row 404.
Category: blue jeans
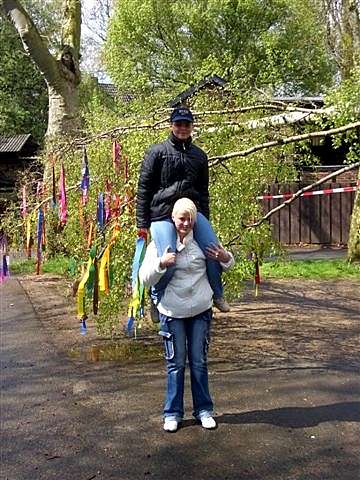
column 191, row 336
column 164, row 235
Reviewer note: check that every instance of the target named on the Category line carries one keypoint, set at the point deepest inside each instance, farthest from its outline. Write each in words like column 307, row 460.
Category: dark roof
column 13, row 143
column 214, row 80
column 109, row 88
column 319, row 100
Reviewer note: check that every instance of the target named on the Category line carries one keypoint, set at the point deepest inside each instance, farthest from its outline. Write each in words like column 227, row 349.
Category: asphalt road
column 62, row 419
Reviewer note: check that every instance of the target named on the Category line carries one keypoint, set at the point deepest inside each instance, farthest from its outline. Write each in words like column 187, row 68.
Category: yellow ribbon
column 81, row 291
column 104, row 271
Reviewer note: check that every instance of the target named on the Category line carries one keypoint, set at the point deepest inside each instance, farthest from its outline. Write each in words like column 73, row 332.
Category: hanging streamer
column 39, row 190
column 91, row 275
column 86, row 282
column 4, row 258
column 100, row 215
column 116, row 208
column 257, row 275
column 81, row 291
column 136, row 306
column 53, row 194
column 39, row 236
column 85, row 179
column 104, row 271
column 62, row 197
column 90, row 235
column 24, row 203
column 96, row 287
column 28, row 236
column 116, row 151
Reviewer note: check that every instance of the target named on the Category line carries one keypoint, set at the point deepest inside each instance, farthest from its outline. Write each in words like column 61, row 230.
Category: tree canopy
column 23, row 92
column 279, row 44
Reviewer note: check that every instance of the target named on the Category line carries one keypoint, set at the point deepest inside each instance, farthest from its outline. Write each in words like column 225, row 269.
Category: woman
column 171, row 170
column 185, row 311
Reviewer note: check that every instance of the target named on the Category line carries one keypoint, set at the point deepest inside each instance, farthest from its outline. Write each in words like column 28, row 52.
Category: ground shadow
column 297, row 417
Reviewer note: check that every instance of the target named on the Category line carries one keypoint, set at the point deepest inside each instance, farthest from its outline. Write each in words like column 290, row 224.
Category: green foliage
column 311, row 269
column 278, row 44
column 23, row 92
column 58, row 265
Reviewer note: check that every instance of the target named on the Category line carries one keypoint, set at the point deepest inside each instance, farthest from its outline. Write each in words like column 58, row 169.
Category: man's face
column 183, row 222
column 182, row 129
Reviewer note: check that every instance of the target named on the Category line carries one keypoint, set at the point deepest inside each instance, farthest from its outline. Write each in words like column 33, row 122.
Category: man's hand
column 218, row 253
column 168, row 258
column 142, row 233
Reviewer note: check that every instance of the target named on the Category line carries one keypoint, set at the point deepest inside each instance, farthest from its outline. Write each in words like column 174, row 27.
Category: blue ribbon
column 100, row 211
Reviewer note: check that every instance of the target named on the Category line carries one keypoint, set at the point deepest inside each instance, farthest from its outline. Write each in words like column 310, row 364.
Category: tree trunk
column 61, row 74
column 354, row 235
column 63, row 111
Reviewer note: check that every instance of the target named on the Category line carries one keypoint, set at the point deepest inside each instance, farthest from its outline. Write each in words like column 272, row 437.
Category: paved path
column 65, row 420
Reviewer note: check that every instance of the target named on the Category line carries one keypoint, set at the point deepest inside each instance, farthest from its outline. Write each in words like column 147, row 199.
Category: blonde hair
column 185, row 205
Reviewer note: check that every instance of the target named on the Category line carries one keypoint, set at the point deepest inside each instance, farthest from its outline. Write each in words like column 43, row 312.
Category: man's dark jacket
column 171, row 170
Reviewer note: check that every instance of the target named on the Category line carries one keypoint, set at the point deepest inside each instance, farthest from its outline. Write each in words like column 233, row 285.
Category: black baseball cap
column 181, row 114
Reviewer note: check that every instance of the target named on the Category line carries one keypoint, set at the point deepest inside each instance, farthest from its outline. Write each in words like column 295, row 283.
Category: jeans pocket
column 169, row 344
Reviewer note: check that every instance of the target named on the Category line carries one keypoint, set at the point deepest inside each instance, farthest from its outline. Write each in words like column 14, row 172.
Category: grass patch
column 56, row 265
column 312, row 269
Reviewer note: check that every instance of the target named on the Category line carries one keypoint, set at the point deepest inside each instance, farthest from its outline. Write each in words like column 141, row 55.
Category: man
column 171, row 170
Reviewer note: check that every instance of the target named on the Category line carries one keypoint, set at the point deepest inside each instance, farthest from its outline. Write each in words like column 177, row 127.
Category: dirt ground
column 292, row 323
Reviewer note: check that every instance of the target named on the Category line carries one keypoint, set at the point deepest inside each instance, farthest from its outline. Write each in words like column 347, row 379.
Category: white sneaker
column 208, row 423
column 170, row 425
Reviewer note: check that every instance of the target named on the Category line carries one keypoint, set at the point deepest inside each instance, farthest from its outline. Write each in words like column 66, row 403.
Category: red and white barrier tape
column 326, row 191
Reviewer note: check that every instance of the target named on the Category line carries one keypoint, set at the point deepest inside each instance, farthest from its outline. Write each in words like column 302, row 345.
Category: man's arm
column 147, row 186
column 203, row 188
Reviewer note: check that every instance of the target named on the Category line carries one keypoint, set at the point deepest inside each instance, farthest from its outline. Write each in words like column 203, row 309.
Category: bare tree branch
column 282, row 141
column 32, row 41
column 72, row 25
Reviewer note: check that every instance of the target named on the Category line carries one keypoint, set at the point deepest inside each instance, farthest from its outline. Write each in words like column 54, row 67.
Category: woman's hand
column 217, row 252
column 168, row 259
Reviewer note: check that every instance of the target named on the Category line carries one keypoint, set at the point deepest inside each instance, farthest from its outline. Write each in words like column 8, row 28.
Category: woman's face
column 182, row 130
column 183, row 222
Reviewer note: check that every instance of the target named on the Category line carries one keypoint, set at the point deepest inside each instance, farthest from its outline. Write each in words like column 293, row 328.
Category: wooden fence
column 318, row 219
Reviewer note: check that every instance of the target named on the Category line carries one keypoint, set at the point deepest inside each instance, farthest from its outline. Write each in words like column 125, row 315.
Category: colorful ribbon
column 116, row 151
column 62, row 197
column 85, row 179
column 39, row 236
column 136, row 306
column 100, row 215
column 4, row 264
column 257, row 275
column 53, row 194
column 24, row 203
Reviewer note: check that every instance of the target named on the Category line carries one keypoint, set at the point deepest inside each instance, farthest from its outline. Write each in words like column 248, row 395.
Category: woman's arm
column 154, row 267
column 218, row 253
